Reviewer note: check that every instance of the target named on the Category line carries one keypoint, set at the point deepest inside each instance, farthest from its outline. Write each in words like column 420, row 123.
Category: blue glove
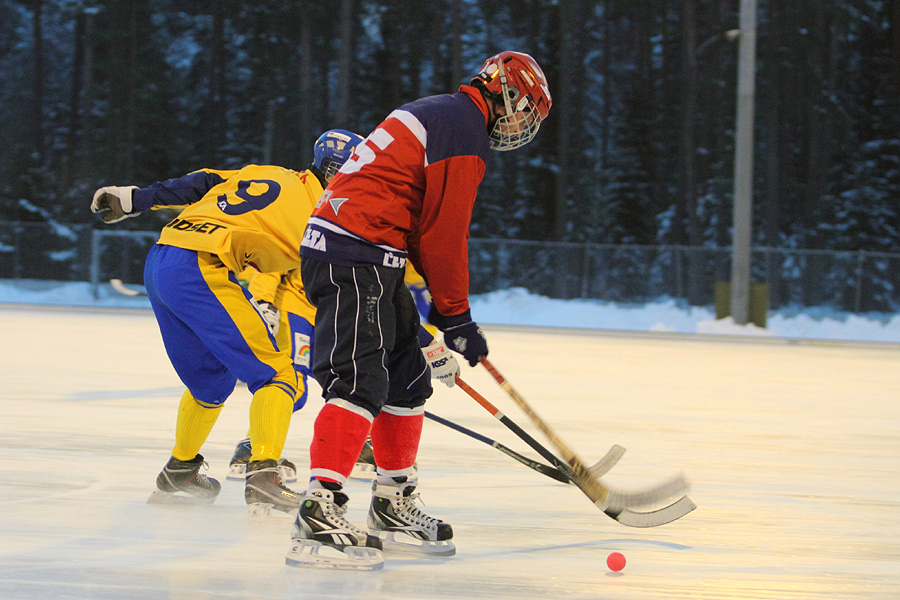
column 461, row 334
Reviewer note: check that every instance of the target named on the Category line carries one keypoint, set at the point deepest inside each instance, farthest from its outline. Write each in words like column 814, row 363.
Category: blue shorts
column 212, row 333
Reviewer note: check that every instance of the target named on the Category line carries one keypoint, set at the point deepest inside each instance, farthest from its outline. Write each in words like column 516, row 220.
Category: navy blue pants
column 367, row 350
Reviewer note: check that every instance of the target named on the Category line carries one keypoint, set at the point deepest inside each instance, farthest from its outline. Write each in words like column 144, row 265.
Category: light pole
column 743, row 165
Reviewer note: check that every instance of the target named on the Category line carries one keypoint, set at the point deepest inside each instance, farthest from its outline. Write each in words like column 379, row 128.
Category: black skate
column 237, row 469
column 288, row 470
column 264, row 490
column 323, row 538
column 365, row 465
column 402, row 527
column 180, row 482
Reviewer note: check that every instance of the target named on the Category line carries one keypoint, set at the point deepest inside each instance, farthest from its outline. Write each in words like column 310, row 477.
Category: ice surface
column 792, row 448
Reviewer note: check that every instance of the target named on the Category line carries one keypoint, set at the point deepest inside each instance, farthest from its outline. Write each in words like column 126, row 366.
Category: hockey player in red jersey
column 407, row 193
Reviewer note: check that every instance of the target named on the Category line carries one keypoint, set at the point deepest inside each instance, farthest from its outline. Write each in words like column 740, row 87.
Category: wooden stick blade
column 617, row 504
column 651, row 495
column 602, row 466
column 655, row 518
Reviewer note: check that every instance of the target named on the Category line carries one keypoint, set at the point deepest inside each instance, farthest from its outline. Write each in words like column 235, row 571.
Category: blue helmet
column 332, row 150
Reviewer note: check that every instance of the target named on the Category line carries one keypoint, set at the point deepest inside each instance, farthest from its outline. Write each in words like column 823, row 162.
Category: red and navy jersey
column 407, row 192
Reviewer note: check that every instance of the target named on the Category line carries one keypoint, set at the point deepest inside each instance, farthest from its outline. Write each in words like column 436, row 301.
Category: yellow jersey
column 252, row 216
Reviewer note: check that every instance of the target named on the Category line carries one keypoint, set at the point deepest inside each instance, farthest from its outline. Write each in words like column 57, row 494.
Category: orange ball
column 615, row 561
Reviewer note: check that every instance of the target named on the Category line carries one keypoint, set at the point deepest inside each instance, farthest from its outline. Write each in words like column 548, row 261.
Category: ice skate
column 323, row 538
column 365, row 465
column 237, row 469
column 402, row 527
column 181, row 482
column 264, row 490
column 365, row 468
column 288, row 470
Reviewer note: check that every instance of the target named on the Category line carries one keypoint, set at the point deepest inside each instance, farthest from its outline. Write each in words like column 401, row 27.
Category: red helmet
column 519, row 81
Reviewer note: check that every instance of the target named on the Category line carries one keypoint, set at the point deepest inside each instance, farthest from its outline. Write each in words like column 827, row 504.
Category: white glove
column 113, row 203
column 271, row 315
column 443, row 364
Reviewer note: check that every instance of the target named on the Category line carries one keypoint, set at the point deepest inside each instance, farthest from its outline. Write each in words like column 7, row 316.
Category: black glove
column 461, row 334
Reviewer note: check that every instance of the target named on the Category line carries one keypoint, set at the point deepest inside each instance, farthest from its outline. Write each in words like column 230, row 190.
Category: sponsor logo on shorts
column 301, row 350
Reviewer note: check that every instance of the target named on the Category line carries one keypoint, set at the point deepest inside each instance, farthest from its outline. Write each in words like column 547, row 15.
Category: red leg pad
column 395, row 440
column 338, row 438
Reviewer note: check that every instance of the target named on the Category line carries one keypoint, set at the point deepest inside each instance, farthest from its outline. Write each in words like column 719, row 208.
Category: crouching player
column 290, row 317
column 212, row 332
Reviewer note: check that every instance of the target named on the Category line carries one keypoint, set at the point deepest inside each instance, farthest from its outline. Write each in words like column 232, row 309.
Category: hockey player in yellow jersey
column 212, row 332
column 281, row 301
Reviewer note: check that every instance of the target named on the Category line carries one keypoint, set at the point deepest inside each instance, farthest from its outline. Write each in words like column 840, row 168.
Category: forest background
column 638, row 148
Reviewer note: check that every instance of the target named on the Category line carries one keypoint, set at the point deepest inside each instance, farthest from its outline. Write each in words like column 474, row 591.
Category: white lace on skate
column 407, row 508
column 406, row 528
column 238, row 471
column 334, row 513
column 307, row 552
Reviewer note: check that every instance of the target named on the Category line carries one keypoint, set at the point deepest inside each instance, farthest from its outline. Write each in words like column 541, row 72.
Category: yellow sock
column 270, row 418
column 192, row 426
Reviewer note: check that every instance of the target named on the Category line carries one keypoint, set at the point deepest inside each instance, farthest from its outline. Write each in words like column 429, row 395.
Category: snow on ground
column 518, row 307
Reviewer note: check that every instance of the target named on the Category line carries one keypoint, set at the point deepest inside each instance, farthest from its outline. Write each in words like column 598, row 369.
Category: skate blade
column 173, row 498
column 363, row 471
column 309, row 553
column 265, row 511
column 237, row 472
column 399, row 542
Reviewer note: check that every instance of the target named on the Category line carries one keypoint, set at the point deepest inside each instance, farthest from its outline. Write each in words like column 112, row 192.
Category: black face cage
column 330, row 167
